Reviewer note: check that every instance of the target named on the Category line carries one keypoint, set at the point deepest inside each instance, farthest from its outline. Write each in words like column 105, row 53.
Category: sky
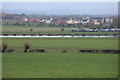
column 60, row 0
column 62, row 7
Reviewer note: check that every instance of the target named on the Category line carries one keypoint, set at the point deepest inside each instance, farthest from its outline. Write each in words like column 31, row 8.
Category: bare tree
column 26, row 47
column 4, row 47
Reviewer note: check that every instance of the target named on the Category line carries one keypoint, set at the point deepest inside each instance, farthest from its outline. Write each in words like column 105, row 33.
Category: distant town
column 80, row 21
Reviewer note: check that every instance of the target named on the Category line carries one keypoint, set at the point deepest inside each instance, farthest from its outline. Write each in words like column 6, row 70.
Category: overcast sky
column 60, row 0
column 101, row 7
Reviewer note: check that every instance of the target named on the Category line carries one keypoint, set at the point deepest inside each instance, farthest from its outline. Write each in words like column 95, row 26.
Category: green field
column 46, row 30
column 0, row 66
column 56, row 45
column 54, row 64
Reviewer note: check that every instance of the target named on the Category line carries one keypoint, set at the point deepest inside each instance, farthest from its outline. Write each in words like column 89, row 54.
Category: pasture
column 0, row 66
column 46, row 30
column 57, row 65
column 54, row 64
column 56, row 45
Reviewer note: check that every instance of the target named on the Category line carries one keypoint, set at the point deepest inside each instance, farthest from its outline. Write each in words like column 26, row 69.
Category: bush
column 0, row 48
column 64, row 51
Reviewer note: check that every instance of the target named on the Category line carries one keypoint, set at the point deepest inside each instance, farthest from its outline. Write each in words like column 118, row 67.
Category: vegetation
column 4, row 47
column 55, row 45
column 62, row 58
column 55, row 65
column 26, row 47
column 45, row 30
column 1, row 66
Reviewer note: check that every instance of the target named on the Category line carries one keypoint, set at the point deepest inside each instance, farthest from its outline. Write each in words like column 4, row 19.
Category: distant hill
column 66, row 12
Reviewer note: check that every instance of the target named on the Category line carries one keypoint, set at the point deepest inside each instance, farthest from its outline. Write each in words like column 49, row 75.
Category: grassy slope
column 60, row 65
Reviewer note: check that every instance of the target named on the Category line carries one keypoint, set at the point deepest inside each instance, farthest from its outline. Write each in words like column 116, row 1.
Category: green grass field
column 56, row 65
column 0, row 66
column 55, row 45
column 46, row 30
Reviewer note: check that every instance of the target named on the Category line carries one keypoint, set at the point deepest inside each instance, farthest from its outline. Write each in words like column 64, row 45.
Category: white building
column 96, row 22
column 108, row 20
column 26, row 19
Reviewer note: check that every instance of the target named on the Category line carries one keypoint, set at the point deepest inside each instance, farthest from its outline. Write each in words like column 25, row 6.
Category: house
column 69, row 21
column 85, row 21
column 109, row 20
column 48, row 21
column 96, row 22
column 26, row 19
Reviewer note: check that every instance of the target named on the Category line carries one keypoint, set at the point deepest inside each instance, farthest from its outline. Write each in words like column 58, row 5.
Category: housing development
column 105, row 23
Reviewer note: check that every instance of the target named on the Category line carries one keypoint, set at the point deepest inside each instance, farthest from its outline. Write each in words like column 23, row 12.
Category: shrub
column 0, row 48
column 62, row 29
column 64, row 51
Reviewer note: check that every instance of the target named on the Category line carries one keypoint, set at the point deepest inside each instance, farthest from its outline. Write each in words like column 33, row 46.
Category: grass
column 35, row 29
column 0, row 60
column 46, row 30
column 0, row 66
column 55, row 65
column 52, row 45
column 65, row 32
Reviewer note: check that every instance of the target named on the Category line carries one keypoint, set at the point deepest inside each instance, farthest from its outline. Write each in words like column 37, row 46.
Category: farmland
column 55, row 45
column 0, row 65
column 46, row 30
column 54, row 64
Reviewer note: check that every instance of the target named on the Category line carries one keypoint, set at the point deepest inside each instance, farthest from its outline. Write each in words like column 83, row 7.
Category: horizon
column 62, row 8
